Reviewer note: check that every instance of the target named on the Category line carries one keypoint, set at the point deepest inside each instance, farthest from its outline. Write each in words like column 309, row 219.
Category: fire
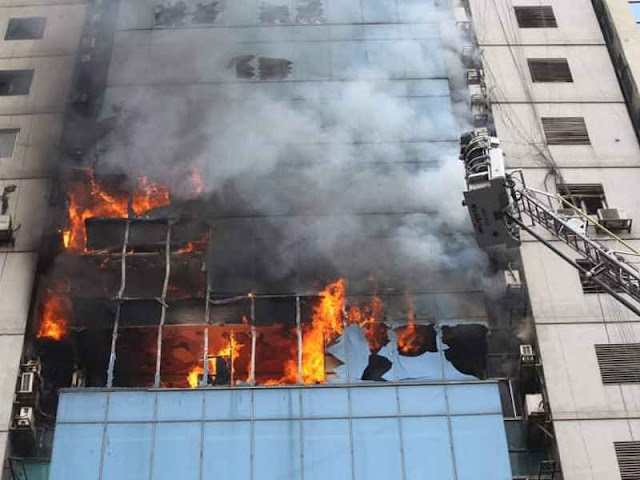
column 231, row 351
column 369, row 318
column 326, row 325
column 196, row 182
column 149, row 195
column 54, row 315
column 410, row 341
column 89, row 200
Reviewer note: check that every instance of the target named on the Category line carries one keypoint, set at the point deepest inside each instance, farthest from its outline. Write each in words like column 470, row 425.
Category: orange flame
column 232, row 350
column 90, row 200
column 196, row 182
column 149, row 195
column 54, row 315
column 369, row 318
column 326, row 325
column 409, row 341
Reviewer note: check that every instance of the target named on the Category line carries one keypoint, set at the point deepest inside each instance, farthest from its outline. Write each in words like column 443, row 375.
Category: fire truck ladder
column 608, row 268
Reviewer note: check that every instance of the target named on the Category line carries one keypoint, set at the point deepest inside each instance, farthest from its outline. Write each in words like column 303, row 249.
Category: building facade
column 324, row 134
column 37, row 57
column 557, row 73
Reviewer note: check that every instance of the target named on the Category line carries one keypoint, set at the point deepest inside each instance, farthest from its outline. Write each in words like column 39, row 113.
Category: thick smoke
column 305, row 178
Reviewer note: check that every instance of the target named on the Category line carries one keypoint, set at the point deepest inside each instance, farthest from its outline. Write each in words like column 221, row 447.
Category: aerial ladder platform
column 501, row 206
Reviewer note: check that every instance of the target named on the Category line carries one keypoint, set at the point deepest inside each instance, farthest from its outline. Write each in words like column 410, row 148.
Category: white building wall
column 39, row 118
column 588, row 415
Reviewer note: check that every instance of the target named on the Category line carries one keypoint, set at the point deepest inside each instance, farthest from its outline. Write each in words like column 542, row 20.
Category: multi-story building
column 561, row 78
column 37, row 56
column 304, row 141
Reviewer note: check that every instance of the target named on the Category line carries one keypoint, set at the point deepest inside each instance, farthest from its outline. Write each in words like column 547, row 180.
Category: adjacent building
column 561, row 78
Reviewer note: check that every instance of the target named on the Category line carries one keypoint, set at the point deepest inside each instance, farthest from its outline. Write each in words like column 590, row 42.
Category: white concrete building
column 579, row 81
column 37, row 56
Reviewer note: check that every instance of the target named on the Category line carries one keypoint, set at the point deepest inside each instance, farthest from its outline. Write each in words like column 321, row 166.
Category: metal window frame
column 535, row 16
column 549, row 70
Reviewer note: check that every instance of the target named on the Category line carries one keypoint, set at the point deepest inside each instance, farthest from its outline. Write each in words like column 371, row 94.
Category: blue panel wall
column 409, row 432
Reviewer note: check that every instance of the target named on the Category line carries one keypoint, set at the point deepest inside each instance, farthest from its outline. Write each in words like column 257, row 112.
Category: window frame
column 578, row 194
column 542, row 19
column 16, row 133
column 569, row 131
column 549, row 70
column 15, row 32
column 18, row 75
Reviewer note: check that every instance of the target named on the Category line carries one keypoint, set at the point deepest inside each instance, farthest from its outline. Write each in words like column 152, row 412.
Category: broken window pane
column 135, row 357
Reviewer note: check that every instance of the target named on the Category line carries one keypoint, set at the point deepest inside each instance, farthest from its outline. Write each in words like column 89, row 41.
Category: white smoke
column 310, row 157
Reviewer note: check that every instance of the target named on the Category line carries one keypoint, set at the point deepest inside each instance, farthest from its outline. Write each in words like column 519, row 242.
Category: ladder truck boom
column 501, row 206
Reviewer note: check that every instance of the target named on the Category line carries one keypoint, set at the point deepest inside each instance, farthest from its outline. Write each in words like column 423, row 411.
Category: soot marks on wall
column 254, row 67
column 181, row 14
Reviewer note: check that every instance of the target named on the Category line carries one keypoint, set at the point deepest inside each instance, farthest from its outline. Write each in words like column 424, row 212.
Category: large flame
column 55, row 314
column 326, row 324
column 90, row 199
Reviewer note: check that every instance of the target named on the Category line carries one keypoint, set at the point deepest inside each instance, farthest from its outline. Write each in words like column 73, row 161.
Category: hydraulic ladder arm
column 501, row 205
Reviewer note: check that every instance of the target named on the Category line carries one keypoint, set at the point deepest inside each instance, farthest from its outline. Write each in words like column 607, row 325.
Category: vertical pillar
column 252, row 367
column 116, row 323
column 163, row 302
column 299, row 332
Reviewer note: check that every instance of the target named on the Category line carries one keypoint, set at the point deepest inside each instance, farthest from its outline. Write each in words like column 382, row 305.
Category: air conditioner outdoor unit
column 512, row 281
column 27, row 381
column 25, row 419
column 527, row 354
column 473, row 76
column 6, row 228
column 614, row 219
column 534, row 405
column 33, row 365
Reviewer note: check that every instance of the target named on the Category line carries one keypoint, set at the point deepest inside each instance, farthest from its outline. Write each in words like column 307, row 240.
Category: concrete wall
column 39, row 117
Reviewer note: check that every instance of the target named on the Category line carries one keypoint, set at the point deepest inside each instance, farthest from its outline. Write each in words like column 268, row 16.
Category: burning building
column 254, row 263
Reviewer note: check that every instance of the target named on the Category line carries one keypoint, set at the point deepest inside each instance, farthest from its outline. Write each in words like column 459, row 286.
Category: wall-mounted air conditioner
column 24, row 419
column 527, row 355
column 33, row 365
column 614, row 219
column 6, row 228
column 534, row 405
column 26, row 384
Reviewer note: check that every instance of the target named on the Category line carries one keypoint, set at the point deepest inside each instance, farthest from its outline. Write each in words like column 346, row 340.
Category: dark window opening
column 627, row 454
column 535, row 17
column 15, row 82
column 565, row 131
column 8, row 142
column 587, row 197
column 619, row 363
column 25, row 28
column 549, row 70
